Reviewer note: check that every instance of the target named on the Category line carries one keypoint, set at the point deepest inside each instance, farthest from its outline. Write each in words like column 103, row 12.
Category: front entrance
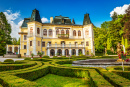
column 10, row 49
column 66, row 52
column 59, row 52
column 73, row 52
column 52, row 52
column 80, row 51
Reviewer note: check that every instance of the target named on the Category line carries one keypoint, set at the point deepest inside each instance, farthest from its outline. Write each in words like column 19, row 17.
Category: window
column 31, row 31
column 38, row 43
column 57, row 31
column 38, row 31
column 87, row 43
column 43, row 44
column 24, row 54
column 79, row 33
column 67, row 31
column 82, row 43
column 87, row 32
column 24, row 46
column 75, row 43
column 50, row 32
column 49, row 43
column 74, row 33
column 62, row 31
column 30, row 43
column 45, row 32
column 25, row 37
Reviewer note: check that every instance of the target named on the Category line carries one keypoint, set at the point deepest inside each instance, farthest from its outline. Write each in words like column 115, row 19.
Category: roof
column 61, row 20
column 35, row 16
column 25, row 22
column 86, row 19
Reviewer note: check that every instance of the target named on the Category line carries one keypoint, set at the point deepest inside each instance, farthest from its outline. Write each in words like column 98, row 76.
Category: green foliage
column 9, row 60
column 60, row 81
column 32, row 55
column 45, row 57
column 126, row 43
column 122, row 42
column 5, row 30
column 27, row 59
column 40, row 54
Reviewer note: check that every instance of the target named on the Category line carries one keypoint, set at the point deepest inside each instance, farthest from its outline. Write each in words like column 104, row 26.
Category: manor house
column 59, row 37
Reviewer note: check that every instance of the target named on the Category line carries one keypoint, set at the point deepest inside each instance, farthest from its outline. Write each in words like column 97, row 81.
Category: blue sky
column 99, row 10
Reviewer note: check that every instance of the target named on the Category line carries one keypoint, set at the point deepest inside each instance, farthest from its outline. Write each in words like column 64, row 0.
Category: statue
column 119, row 47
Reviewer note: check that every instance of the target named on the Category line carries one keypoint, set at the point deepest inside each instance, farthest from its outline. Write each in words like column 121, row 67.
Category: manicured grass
column 52, row 80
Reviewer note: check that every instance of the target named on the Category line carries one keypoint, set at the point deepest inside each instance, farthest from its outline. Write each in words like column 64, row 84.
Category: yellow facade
column 30, row 33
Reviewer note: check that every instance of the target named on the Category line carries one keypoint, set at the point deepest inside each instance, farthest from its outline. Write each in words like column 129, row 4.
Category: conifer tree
column 5, row 30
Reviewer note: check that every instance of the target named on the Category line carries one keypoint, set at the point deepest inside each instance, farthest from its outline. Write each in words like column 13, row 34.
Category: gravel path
column 2, row 59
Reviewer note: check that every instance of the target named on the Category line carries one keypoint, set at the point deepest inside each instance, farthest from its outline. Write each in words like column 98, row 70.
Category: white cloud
column 119, row 10
column 44, row 20
column 11, row 17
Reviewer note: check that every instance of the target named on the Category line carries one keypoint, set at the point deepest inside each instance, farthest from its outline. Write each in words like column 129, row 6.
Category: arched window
column 74, row 33
column 87, row 32
column 57, row 31
column 38, row 31
column 45, row 32
column 31, row 30
column 67, row 31
column 79, row 33
column 50, row 32
column 62, row 31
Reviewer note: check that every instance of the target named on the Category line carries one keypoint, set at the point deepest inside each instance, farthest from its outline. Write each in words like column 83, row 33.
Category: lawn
column 52, row 80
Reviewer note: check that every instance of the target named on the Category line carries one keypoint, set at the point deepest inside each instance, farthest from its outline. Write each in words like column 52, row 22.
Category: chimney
column 51, row 19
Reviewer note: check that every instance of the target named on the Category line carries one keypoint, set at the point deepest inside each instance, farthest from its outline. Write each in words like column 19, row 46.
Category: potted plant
column 40, row 54
column 32, row 55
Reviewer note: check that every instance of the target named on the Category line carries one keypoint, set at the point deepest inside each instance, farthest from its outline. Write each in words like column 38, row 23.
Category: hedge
column 98, row 80
column 13, row 81
column 38, row 64
column 118, row 70
column 114, row 79
column 5, row 67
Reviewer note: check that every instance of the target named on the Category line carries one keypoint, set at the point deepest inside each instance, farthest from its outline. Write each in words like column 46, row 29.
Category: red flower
column 119, row 57
column 127, row 60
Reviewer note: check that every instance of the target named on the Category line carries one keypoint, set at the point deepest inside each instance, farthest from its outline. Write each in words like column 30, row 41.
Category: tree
column 5, row 30
column 14, row 41
column 114, row 17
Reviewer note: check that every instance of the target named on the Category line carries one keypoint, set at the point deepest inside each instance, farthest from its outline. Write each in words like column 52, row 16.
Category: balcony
column 65, row 46
column 63, row 36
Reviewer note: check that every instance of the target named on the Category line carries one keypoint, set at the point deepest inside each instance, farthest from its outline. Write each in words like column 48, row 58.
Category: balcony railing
column 65, row 45
column 63, row 35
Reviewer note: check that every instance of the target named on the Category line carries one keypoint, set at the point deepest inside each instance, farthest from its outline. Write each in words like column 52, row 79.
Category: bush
column 9, row 60
column 19, row 62
column 45, row 57
column 27, row 59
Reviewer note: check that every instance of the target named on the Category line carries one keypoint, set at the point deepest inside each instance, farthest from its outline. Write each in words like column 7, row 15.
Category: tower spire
column 35, row 16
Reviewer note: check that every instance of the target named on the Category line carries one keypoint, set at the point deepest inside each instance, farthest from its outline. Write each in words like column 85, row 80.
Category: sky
column 99, row 10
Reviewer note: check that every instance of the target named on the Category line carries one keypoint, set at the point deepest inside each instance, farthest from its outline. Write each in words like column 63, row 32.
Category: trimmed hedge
column 13, row 81
column 118, row 70
column 98, row 80
column 45, row 57
column 113, row 78
column 5, row 67
column 9, row 60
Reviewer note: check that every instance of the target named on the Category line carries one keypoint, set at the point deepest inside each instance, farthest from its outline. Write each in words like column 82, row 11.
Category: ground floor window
column 73, row 52
column 24, row 54
column 10, row 49
column 59, row 52
column 52, row 52
column 66, row 52
column 15, row 49
column 80, row 51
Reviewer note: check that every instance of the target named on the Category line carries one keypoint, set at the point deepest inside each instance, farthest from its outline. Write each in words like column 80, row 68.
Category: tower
column 86, row 19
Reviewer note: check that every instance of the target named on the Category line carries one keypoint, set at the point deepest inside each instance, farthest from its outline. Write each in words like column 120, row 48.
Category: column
column 13, row 49
column 54, row 33
column 76, row 33
column 55, row 49
column 77, row 52
column 34, row 46
column 6, row 49
column 83, row 51
column 70, row 52
column 63, row 51
column 70, row 32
